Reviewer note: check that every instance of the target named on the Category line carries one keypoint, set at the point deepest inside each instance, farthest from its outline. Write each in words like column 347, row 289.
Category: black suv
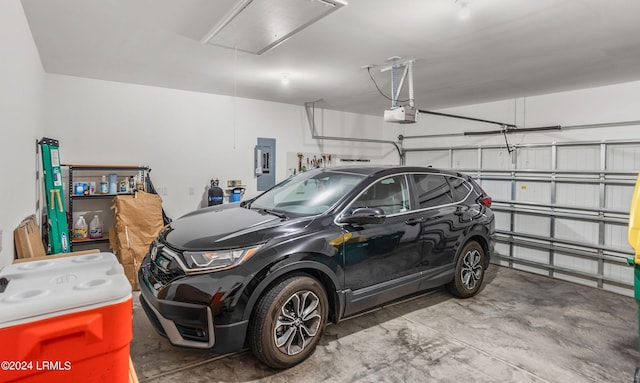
column 268, row 273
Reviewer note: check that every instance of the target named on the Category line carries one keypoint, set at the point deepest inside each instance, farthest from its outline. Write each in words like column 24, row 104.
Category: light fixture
column 285, row 79
column 464, row 10
column 256, row 26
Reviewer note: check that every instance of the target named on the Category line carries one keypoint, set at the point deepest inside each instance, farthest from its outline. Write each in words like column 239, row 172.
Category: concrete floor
column 520, row 328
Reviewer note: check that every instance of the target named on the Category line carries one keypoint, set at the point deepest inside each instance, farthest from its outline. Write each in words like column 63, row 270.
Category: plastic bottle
column 124, row 184
column 104, row 186
column 113, row 183
column 80, row 228
column 95, row 228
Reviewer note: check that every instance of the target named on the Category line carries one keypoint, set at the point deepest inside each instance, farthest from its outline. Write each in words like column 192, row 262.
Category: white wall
column 21, row 121
column 187, row 138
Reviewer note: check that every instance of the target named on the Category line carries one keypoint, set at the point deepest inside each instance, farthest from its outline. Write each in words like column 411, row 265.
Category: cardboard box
column 28, row 241
column 29, row 246
column 131, row 272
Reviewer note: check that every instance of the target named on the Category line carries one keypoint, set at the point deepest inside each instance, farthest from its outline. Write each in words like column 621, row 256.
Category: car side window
column 389, row 194
column 459, row 187
column 433, row 190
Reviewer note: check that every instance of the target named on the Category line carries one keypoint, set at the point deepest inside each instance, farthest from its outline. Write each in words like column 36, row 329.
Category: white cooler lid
column 48, row 288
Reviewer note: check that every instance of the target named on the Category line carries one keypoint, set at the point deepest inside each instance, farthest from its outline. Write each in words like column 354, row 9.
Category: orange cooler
column 65, row 320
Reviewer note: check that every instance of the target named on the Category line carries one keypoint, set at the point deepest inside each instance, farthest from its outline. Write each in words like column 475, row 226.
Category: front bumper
column 202, row 335
column 189, row 324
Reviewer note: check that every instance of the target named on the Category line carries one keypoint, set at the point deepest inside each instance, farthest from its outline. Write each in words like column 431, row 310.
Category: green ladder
column 56, row 212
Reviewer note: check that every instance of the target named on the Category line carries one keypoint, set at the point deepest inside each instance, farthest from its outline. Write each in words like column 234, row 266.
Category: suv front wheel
column 288, row 321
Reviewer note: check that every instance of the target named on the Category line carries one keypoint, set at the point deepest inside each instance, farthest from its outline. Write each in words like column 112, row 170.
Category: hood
column 227, row 226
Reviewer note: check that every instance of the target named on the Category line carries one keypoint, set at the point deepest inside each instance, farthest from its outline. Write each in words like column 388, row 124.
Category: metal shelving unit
column 95, row 172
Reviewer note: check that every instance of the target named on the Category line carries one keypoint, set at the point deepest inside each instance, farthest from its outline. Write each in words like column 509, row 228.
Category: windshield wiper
column 274, row 212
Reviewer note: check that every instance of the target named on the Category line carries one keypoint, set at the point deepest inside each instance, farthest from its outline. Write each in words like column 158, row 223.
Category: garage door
column 561, row 209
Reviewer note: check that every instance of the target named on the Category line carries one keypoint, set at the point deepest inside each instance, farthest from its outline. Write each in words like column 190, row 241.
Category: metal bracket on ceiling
column 398, row 83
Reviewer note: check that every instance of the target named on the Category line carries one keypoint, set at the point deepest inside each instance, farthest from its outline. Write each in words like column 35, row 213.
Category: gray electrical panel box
column 265, row 163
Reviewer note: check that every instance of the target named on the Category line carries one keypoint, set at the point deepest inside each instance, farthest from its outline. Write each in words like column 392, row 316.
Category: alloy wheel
column 471, row 269
column 298, row 322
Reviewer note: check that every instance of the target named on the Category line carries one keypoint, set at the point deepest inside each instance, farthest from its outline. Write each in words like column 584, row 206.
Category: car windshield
column 308, row 193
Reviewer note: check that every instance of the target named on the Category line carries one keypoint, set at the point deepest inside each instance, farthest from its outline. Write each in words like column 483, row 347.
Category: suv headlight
column 212, row 260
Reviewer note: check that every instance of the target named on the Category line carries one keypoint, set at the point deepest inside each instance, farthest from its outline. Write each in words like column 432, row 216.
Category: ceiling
column 505, row 49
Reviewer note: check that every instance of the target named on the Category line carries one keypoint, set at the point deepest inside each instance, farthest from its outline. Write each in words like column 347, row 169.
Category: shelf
column 97, row 195
column 89, row 240
column 105, row 167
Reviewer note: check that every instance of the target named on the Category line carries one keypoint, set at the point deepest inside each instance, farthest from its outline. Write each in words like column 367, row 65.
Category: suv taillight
column 486, row 201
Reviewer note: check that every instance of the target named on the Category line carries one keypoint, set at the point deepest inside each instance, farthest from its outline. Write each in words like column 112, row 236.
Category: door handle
column 414, row 221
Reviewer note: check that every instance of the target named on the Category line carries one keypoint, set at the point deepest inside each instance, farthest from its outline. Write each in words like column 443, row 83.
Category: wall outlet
column 0, row 241
column 192, row 191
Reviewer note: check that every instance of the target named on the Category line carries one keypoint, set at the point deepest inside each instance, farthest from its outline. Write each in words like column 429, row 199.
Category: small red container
column 65, row 320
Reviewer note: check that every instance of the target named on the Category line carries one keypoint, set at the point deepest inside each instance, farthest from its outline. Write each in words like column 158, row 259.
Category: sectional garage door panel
column 465, row 159
column 499, row 159
column 533, row 225
column 435, row 158
column 500, row 252
column 503, row 220
column 498, row 190
column 577, row 263
column 538, row 158
column 615, row 237
column 531, row 191
column 578, row 195
column 624, row 157
column 618, row 197
column 618, row 272
column 529, row 258
column 577, row 231
column 579, row 158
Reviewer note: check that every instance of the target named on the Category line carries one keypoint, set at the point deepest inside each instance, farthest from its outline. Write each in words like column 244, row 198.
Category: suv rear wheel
column 288, row 321
column 469, row 271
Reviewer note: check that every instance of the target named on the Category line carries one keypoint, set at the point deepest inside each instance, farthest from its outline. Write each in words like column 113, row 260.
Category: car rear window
column 460, row 188
column 433, row 190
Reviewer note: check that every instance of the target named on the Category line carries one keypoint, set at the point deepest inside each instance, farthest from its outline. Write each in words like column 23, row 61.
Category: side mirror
column 363, row 216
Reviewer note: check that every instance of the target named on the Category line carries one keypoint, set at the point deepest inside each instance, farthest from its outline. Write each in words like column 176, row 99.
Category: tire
column 288, row 322
column 469, row 272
